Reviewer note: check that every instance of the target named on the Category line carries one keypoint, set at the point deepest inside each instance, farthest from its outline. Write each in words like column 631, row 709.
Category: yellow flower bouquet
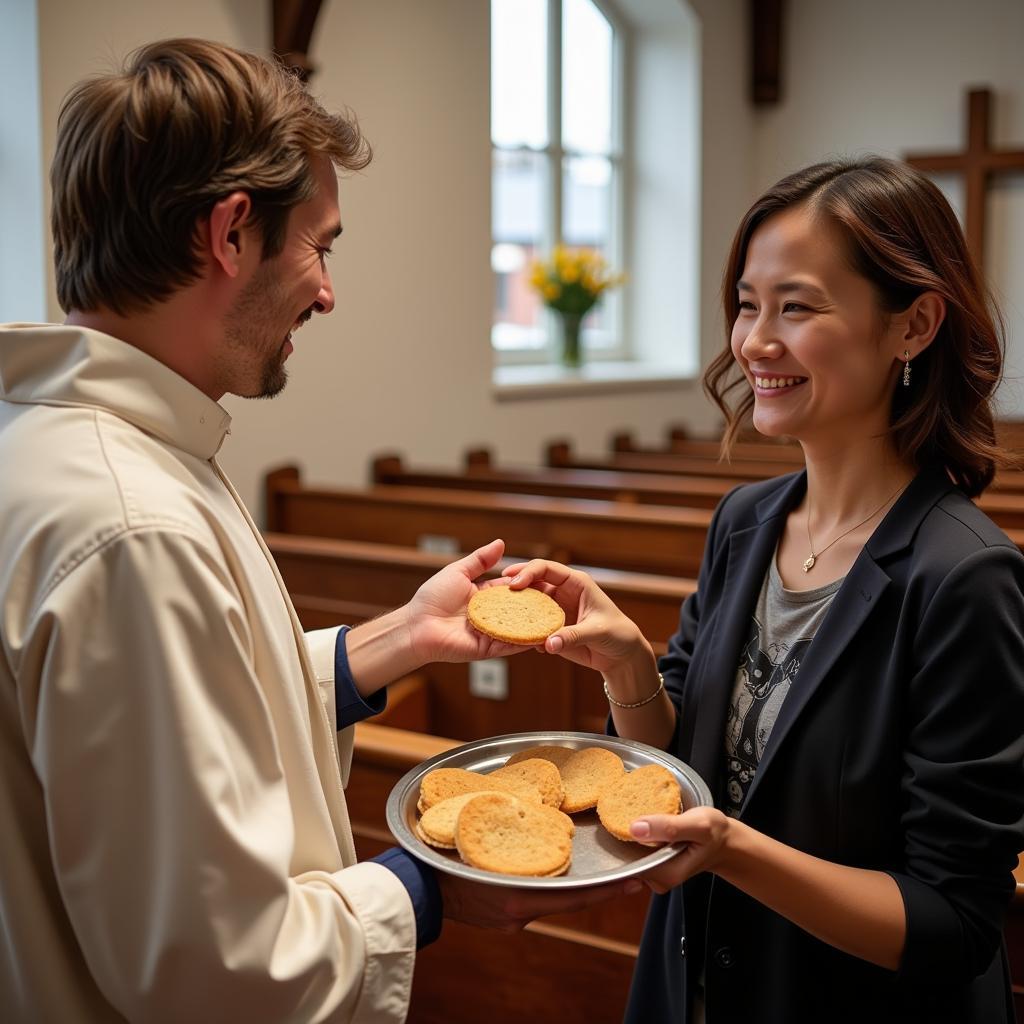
column 570, row 283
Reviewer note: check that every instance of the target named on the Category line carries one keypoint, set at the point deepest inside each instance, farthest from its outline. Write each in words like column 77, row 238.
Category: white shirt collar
column 50, row 364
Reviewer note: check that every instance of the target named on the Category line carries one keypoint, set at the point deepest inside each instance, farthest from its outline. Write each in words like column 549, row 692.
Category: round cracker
column 586, row 775
column 515, row 616
column 533, row 776
column 556, row 755
column 651, row 789
column 437, row 825
column 499, row 833
column 442, row 783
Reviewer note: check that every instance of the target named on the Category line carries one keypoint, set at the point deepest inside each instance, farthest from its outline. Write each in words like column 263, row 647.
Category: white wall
column 878, row 76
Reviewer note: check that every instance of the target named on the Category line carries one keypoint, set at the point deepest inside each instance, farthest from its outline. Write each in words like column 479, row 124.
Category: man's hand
column 431, row 627
column 507, row 909
column 436, row 615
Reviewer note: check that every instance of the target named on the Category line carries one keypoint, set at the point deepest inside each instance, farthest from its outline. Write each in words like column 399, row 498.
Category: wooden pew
column 1006, row 508
column 1009, row 480
column 785, row 452
column 347, row 582
column 751, row 445
column 1003, row 502
column 566, row 968
column 662, row 540
column 594, row 484
column 560, row 454
column 648, row 539
column 1010, row 434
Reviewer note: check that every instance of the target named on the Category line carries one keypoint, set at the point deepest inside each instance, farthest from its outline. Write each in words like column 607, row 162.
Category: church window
column 557, row 164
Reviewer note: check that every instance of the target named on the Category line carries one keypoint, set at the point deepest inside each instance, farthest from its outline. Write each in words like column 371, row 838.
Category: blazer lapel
column 749, row 553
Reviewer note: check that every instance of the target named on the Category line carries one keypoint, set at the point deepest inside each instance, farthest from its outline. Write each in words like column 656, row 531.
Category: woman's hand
column 702, row 834
column 596, row 633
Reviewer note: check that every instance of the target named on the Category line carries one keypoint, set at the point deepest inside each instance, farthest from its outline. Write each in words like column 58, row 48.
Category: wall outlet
column 438, row 544
column 489, row 679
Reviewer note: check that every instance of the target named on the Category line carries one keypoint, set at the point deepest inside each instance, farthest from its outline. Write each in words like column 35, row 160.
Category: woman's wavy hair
column 144, row 154
column 902, row 236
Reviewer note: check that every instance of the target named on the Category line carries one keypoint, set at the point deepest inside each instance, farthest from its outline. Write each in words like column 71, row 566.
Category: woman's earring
column 906, row 368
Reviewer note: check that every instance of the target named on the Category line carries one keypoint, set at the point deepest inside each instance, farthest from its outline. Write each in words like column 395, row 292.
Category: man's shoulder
column 80, row 478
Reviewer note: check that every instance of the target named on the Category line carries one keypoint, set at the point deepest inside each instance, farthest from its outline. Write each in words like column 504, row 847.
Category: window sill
column 511, row 383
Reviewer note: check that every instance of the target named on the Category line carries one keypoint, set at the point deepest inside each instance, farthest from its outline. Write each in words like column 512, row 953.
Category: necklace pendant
column 809, row 564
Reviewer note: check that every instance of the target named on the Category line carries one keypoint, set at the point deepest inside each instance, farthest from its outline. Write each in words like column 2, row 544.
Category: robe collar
column 49, row 364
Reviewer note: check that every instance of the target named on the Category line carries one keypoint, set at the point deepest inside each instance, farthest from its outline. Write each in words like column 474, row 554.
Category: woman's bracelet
column 639, row 703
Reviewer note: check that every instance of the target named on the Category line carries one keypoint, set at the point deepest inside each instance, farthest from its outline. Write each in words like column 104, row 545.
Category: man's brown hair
column 145, row 153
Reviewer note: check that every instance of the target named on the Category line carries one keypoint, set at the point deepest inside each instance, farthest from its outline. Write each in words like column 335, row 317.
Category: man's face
column 282, row 294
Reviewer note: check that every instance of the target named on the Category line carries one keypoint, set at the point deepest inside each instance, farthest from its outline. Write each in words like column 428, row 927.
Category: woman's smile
column 772, row 385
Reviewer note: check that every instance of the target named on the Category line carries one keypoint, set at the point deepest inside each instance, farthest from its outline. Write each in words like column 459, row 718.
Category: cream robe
column 176, row 842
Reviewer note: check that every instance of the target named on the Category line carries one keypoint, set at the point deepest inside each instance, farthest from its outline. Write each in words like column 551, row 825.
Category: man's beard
column 259, row 302
column 273, row 377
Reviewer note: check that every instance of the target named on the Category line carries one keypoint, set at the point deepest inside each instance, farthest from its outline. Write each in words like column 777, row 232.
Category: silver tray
column 597, row 856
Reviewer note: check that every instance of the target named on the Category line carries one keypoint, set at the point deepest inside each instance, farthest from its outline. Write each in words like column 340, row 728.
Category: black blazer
column 899, row 747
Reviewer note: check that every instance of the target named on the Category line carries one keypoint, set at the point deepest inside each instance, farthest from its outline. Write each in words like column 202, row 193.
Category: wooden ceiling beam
column 293, row 25
column 766, row 23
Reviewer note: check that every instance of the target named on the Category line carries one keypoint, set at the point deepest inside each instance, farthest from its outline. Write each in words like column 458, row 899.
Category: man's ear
column 920, row 322
column 231, row 233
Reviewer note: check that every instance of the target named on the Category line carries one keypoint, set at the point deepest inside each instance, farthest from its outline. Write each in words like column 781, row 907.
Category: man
column 177, row 845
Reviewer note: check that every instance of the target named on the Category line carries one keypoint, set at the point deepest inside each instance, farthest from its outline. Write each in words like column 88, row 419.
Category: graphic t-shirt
column 781, row 630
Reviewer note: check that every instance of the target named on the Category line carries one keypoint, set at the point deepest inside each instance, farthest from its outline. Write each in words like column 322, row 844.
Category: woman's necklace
column 809, row 564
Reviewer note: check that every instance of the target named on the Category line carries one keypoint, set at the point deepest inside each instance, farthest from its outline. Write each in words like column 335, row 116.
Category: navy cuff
column 419, row 879
column 348, row 702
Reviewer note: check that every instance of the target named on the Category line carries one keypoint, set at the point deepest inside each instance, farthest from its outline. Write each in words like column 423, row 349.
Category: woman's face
column 809, row 335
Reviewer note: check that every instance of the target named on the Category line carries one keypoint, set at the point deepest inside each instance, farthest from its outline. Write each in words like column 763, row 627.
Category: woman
column 849, row 676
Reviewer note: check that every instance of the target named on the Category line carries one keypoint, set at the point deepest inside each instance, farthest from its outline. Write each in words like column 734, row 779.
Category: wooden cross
column 294, row 21
column 978, row 163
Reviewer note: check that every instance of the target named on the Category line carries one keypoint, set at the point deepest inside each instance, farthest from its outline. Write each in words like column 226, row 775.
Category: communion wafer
column 515, row 616
column 496, row 832
column 561, row 817
column 534, row 774
column 442, row 783
column 651, row 789
column 556, row 755
column 586, row 775
column 437, row 826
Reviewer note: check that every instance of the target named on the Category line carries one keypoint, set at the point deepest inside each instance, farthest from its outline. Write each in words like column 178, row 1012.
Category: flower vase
column 571, row 353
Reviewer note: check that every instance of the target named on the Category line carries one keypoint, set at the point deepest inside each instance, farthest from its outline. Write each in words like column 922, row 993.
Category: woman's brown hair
column 901, row 235
column 143, row 155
